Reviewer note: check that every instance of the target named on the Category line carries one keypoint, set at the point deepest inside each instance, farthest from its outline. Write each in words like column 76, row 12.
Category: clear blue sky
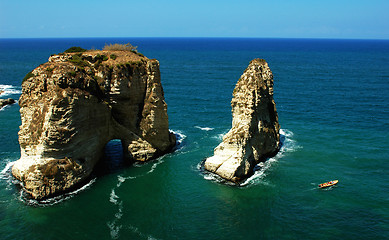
column 201, row 18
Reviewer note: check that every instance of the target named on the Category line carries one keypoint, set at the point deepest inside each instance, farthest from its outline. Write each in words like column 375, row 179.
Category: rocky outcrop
column 5, row 102
column 255, row 130
column 74, row 104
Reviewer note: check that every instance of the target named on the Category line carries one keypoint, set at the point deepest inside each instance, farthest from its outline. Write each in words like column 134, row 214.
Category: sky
column 350, row 19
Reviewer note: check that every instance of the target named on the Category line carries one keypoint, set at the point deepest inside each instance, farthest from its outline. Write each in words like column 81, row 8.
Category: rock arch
column 71, row 109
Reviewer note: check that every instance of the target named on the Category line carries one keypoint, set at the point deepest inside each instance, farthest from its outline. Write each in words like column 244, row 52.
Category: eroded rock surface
column 74, row 104
column 5, row 102
column 255, row 129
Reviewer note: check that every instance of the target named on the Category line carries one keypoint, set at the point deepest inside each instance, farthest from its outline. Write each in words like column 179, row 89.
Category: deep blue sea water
column 331, row 97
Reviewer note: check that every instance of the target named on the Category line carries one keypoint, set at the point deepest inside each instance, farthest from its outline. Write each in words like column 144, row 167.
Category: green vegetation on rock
column 75, row 49
column 28, row 75
column 77, row 60
column 101, row 57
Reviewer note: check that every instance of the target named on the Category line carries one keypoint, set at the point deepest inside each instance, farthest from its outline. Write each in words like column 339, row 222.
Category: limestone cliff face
column 74, row 104
column 255, row 130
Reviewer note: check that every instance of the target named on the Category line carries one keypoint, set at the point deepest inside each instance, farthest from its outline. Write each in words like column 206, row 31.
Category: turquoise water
column 331, row 98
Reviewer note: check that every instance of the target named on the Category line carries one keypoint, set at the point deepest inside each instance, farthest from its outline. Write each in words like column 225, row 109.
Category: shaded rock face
column 73, row 105
column 255, row 129
column 5, row 102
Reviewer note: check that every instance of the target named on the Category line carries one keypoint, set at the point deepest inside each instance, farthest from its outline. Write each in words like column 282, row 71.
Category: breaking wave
column 180, row 137
column 204, row 128
column 218, row 136
column 6, row 90
column 3, row 172
column 288, row 145
column 57, row 199
column 6, row 175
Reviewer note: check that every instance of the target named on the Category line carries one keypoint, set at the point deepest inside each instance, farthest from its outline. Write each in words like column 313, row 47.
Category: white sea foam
column 218, row 137
column 57, row 199
column 259, row 172
column 9, row 90
column 122, row 179
column 140, row 234
column 6, row 106
column 114, row 226
column 180, row 136
column 212, row 177
column 6, row 175
column 7, row 167
column 113, row 197
column 114, row 229
column 154, row 166
column 204, row 128
column 288, row 144
column 286, row 133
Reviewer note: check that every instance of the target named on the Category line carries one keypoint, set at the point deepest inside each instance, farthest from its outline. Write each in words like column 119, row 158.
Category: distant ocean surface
column 332, row 102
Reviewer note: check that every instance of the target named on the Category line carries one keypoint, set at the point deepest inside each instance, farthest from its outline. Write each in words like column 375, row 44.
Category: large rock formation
column 255, row 130
column 74, row 104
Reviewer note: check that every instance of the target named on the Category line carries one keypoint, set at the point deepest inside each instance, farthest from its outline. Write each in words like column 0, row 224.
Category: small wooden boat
column 328, row 184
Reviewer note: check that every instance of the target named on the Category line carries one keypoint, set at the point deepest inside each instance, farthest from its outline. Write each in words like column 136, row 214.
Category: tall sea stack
column 74, row 104
column 254, row 135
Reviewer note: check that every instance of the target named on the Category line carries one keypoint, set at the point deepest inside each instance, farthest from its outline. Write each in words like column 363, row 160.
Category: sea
column 332, row 102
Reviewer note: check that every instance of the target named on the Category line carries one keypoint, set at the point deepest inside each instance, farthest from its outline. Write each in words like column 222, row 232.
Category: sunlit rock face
column 74, row 104
column 255, row 129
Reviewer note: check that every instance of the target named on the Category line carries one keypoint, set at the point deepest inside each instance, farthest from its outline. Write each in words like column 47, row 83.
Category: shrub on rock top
column 120, row 47
column 75, row 49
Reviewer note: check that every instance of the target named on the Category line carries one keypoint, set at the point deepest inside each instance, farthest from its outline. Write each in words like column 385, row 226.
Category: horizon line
column 307, row 38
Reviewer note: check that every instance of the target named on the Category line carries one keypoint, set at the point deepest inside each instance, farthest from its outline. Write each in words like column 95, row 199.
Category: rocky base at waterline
column 74, row 104
column 5, row 102
column 254, row 135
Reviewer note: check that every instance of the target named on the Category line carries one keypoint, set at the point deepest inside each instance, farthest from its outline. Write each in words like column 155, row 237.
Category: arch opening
column 114, row 158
